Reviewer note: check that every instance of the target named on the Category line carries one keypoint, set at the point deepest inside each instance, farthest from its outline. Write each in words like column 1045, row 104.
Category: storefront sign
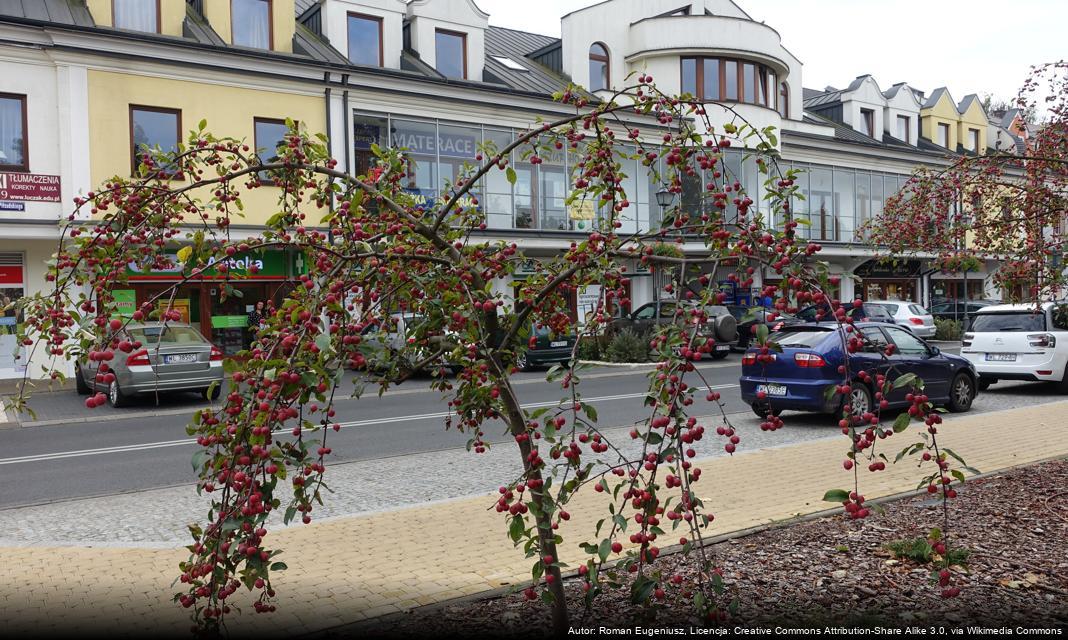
column 11, row 276
column 587, row 300
column 581, row 210
column 426, row 197
column 229, row 322
column 125, row 301
column 448, row 145
column 365, row 135
column 889, row 269
column 29, row 187
column 12, row 206
column 267, row 265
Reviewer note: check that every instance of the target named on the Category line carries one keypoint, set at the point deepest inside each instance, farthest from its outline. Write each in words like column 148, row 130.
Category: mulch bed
column 833, row 571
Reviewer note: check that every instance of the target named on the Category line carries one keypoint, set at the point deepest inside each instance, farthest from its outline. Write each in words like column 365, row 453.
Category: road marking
column 44, row 457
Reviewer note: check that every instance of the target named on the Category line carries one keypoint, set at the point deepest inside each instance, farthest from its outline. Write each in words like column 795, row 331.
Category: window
column 599, row 74
column 903, row 128
column 943, row 135
column 867, row 122
column 152, row 130
column 729, row 80
column 14, row 147
column 907, row 344
column 365, row 39
column 269, row 134
column 450, row 52
column 875, row 341
column 973, row 140
column 250, row 23
column 136, row 15
column 784, row 100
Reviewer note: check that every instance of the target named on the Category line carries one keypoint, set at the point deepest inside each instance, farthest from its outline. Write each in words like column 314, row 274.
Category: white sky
column 977, row 46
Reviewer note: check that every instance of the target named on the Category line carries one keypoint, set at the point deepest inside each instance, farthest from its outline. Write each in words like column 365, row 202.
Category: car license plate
column 1001, row 357
column 558, row 343
column 181, row 358
column 723, row 347
column 772, row 389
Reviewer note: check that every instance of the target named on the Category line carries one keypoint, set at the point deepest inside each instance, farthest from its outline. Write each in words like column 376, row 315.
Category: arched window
column 599, row 76
column 784, row 100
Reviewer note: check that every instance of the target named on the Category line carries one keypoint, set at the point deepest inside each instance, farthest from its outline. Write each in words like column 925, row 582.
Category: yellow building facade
column 952, row 125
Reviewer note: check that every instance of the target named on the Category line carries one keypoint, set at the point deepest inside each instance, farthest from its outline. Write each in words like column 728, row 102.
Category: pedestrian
column 257, row 317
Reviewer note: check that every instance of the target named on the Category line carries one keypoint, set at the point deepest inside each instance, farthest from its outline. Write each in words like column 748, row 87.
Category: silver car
column 172, row 357
column 909, row 314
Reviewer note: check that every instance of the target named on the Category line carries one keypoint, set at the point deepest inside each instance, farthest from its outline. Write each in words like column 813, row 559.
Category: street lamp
column 664, row 199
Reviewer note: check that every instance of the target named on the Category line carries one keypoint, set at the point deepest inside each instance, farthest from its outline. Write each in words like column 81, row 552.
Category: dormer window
column 365, row 39
column 136, row 15
column 943, row 135
column 599, row 74
column 867, row 122
column 450, row 53
column 250, row 22
column 903, row 128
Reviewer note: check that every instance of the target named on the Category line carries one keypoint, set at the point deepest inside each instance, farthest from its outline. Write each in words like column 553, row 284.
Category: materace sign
column 29, row 187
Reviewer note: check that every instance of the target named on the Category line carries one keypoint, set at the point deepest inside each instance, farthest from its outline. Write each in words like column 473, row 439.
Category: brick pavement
column 354, row 568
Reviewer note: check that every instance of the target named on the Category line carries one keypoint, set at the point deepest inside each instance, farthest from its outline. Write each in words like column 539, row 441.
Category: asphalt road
column 145, row 446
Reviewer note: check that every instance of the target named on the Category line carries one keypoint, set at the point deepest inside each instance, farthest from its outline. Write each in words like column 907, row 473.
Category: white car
column 910, row 315
column 1019, row 342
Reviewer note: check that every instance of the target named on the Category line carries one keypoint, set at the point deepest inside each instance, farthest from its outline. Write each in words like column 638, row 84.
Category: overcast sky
column 977, row 46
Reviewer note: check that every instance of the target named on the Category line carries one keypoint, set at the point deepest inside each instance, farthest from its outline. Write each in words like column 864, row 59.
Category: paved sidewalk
column 354, row 568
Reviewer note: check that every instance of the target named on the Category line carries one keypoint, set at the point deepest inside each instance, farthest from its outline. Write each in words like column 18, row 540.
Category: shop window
column 153, row 130
column 136, row 15
column 599, row 72
column 450, row 53
column 12, row 288
column 420, row 144
column 250, row 23
column 14, row 143
column 365, row 39
column 367, row 131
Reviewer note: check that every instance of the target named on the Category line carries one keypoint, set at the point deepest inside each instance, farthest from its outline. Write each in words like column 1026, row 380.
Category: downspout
column 348, row 123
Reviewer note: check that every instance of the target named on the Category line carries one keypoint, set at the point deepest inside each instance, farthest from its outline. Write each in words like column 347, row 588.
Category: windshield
column 1010, row 321
column 172, row 335
column 807, row 337
column 890, row 308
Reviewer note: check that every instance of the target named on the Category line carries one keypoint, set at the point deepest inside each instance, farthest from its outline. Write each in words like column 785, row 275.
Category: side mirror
column 934, row 351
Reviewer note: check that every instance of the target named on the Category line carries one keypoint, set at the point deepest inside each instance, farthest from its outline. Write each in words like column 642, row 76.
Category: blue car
column 798, row 377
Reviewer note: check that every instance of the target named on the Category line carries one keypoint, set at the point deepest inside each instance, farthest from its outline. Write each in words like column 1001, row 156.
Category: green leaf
column 902, row 422
column 641, row 589
column 836, row 495
column 510, row 174
column 591, row 412
column 516, row 528
column 904, row 380
column 958, row 474
column 762, row 333
column 279, row 566
column 604, row 549
column 199, row 458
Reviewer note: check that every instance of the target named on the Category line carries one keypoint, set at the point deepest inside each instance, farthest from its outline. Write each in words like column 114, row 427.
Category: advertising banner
column 29, row 187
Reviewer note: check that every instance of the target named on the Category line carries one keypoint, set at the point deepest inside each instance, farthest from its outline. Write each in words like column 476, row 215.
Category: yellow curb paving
column 360, row 567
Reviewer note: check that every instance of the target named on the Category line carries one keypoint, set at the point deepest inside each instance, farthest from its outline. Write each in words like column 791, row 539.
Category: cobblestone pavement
column 158, row 518
column 353, row 568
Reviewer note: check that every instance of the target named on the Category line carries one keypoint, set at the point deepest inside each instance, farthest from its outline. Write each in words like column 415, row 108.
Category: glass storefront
column 12, row 288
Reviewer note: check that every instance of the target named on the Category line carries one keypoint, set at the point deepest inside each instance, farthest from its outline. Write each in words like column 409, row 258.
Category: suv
column 720, row 324
column 1019, row 342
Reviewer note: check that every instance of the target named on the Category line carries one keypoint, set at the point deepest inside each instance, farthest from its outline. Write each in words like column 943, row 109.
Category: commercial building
column 87, row 82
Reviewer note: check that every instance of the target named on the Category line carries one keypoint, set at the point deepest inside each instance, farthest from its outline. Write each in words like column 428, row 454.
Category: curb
column 387, row 620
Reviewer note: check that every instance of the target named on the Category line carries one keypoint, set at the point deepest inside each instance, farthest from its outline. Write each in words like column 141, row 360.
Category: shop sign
column 29, row 187
column 11, row 275
column 125, row 301
column 581, row 210
column 448, row 145
column 424, row 198
column 268, row 265
column 528, row 267
column 12, row 206
column 888, row 269
column 229, row 322
column 587, row 300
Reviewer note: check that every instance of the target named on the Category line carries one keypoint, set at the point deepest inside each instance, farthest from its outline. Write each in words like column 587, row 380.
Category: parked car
column 381, row 345
column 866, row 312
column 798, row 377
column 909, row 315
column 1019, row 342
column 172, row 357
column 548, row 348
column 719, row 324
column 749, row 318
column 956, row 310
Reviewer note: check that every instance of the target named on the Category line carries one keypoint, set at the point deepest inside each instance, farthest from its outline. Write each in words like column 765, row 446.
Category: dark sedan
column 799, row 375
column 749, row 318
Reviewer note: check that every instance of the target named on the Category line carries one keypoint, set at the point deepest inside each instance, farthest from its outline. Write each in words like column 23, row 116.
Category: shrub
column 592, row 348
column 627, row 346
column 947, row 329
column 920, row 551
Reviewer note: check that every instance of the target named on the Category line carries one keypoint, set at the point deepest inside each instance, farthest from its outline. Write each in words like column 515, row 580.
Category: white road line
column 44, row 457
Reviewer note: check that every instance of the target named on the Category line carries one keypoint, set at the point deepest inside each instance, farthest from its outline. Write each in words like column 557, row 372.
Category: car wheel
column 79, row 382
column 116, row 397
column 762, row 410
column 521, row 362
column 961, row 393
column 859, row 399
column 984, row 383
